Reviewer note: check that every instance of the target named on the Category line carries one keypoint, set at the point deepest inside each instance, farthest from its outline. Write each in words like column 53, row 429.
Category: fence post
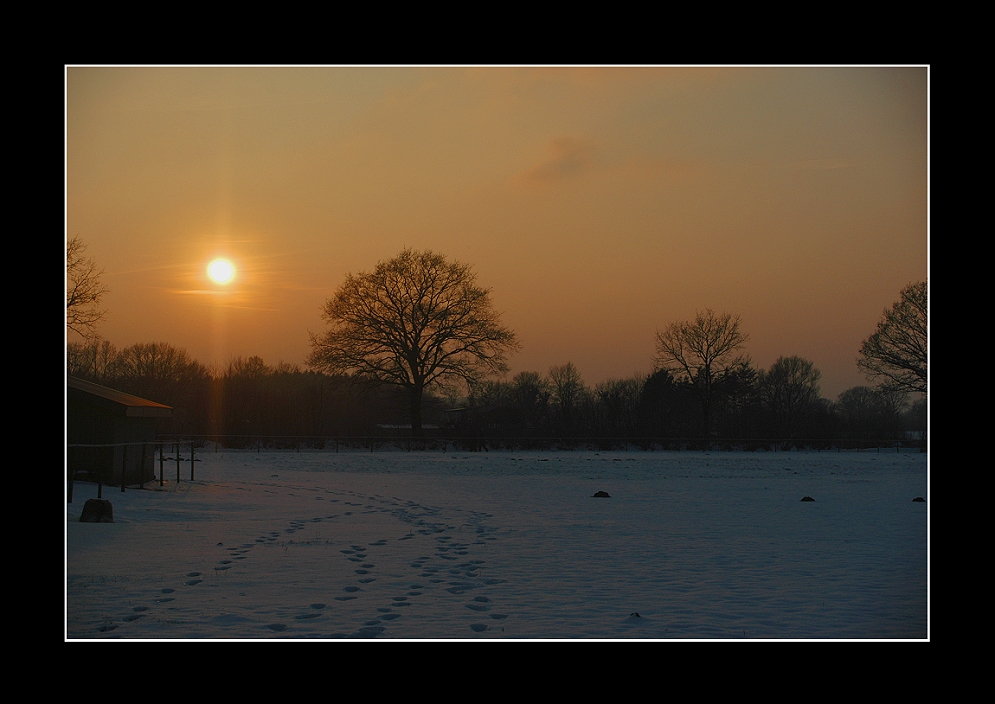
column 124, row 465
column 191, row 460
column 177, row 462
column 162, row 476
column 141, row 472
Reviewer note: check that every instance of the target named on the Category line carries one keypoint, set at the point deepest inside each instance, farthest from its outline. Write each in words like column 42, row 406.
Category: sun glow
column 221, row 271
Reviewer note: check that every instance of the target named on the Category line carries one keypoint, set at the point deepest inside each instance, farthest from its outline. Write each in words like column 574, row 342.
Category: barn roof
column 116, row 402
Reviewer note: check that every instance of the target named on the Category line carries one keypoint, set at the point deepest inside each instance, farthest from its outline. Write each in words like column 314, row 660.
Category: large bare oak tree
column 415, row 321
column 897, row 352
column 700, row 351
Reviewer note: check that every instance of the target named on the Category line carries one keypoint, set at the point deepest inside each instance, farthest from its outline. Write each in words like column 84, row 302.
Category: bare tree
column 83, row 289
column 569, row 393
column 156, row 370
column 699, row 351
column 92, row 360
column 531, row 393
column 415, row 321
column 897, row 352
column 618, row 405
column 870, row 413
column 166, row 374
column 791, row 384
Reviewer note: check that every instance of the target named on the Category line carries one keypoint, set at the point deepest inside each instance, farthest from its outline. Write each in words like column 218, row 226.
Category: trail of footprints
column 449, row 569
column 456, row 578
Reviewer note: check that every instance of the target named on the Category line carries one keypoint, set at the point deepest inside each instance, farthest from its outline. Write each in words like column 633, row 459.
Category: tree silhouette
column 699, row 351
column 870, row 412
column 897, row 351
column 83, row 290
column 530, row 393
column 415, row 321
column 569, row 393
column 788, row 387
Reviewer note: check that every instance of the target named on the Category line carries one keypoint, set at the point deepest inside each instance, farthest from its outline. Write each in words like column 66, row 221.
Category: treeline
column 781, row 403
column 242, row 400
column 247, row 399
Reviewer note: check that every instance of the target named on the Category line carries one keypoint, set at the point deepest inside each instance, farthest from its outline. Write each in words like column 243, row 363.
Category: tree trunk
column 706, row 413
column 416, row 396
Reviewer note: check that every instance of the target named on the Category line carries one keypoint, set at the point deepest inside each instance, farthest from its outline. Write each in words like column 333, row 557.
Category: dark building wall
column 90, row 424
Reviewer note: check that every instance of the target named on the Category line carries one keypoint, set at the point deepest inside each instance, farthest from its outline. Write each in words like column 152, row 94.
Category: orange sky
column 598, row 204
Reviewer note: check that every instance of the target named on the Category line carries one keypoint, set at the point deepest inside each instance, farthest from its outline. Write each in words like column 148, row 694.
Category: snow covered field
column 508, row 545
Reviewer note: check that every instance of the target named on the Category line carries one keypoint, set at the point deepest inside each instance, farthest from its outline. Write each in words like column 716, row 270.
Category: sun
column 221, row 271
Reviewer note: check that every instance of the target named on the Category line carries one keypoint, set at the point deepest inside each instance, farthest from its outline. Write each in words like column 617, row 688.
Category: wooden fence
column 102, row 474
column 439, row 442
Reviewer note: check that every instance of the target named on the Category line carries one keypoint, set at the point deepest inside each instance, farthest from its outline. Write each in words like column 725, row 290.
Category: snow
column 508, row 545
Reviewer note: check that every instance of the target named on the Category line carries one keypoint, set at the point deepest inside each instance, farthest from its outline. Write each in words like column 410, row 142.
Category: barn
column 124, row 425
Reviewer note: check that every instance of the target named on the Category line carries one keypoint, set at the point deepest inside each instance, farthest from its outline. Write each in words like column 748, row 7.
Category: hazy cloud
column 567, row 156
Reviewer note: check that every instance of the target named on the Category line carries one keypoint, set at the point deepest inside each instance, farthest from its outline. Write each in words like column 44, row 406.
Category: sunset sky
column 599, row 204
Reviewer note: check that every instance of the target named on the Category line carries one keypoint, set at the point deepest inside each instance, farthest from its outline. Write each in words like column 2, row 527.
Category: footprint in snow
column 368, row 632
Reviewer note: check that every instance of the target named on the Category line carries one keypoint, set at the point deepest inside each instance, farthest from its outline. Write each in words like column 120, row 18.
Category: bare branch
column 83, row 289
column 897, row 352
column 700, row 350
